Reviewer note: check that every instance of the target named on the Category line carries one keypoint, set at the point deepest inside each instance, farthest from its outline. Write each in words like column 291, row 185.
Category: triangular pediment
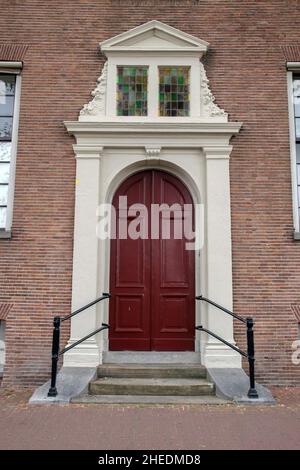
column 154, row 36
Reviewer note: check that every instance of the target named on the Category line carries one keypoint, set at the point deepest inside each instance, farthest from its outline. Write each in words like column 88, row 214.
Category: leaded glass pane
column 296, row 87
column 3, row 194
column 7, row 105
column 132, row 91
column 4, row 172
column 3, row 211
column 7, row 85
column 174, row 91
column 297, row 123
column 7, row 92
column 298, row 153
column 297, row 108
column 5, row 151
column 6, row 128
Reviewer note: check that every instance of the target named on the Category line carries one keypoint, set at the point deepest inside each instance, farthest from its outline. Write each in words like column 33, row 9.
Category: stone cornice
column 88, row 151
column 174, row 40
column 293, row 66
column 215, row 153
column 158, row 127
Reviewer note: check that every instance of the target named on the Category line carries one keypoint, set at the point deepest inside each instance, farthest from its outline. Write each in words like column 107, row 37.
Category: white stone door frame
column 107, row 153
column 196, row 148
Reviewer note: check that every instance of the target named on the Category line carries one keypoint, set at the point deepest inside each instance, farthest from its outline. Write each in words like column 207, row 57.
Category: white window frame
column 293, row 67
column 12, row 68
column 153, row 63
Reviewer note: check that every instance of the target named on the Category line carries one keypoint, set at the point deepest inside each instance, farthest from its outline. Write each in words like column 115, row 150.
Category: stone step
column 151, row 357
column 155, row 371
column 149, row 400
column 138, row 386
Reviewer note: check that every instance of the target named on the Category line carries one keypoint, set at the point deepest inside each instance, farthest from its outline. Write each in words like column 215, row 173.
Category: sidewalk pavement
column 162, row 427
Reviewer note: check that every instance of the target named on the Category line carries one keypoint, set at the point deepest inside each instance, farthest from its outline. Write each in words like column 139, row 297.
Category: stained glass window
column 174, row 91
column 7, row 98
column 132, row 84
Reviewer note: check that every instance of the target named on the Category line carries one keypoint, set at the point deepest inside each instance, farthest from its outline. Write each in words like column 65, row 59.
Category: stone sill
column 5, row 234
column 296, row 235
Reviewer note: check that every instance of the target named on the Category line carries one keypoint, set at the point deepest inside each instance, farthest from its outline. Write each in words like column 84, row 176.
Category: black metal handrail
column 252, row 392
column 56, row 353
column 234, row 315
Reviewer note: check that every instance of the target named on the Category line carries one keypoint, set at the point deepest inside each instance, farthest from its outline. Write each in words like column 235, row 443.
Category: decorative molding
column 152, row 151
column 154, row 36
column 88, row 151
column 215, row 153
column 114, row 134
column 158, row 37
column 208, row 106
column 96, row 107
column 293, row 66
column 192, row 126
column 4, row 64
column 214, row 136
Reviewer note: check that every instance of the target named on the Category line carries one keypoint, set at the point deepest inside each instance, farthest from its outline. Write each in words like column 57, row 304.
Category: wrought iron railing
column 56, row 353
column 252, row 393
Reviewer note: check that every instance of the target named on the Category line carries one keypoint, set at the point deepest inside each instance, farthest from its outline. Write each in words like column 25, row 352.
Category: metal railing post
column 252, row 393
column 56, row 337
column 55, row 352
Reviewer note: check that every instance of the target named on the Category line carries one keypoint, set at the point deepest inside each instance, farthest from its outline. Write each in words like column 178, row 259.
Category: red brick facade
column 250, row 42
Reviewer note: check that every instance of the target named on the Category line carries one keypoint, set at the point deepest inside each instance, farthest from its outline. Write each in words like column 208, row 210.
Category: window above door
column 173, row 92
column 153, row 73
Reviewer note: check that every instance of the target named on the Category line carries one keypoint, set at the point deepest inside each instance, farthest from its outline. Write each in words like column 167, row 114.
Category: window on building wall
column 2, row 346
column 294, row 112
column 174, row 91
column 296, row 102
column 132, row 91
column 8, row 135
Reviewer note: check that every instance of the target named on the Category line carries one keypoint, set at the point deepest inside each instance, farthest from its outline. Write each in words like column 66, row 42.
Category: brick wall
column 246, row 67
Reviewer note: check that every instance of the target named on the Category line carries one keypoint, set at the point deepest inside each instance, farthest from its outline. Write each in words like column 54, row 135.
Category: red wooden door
column 152, row 280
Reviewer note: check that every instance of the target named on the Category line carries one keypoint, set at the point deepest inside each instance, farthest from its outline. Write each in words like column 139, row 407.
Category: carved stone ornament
column 152, row 151
column 208, row 106
column 96, row 107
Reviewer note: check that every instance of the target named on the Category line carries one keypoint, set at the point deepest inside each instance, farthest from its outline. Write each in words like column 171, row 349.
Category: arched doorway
column 152, row 280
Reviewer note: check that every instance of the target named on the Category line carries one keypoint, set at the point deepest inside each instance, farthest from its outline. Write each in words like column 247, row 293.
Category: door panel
column 152, row 281
column 130, row 276
column 173, row 269
column 173, row 275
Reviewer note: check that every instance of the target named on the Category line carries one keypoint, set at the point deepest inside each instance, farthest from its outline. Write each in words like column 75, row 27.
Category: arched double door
column 152, row 280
